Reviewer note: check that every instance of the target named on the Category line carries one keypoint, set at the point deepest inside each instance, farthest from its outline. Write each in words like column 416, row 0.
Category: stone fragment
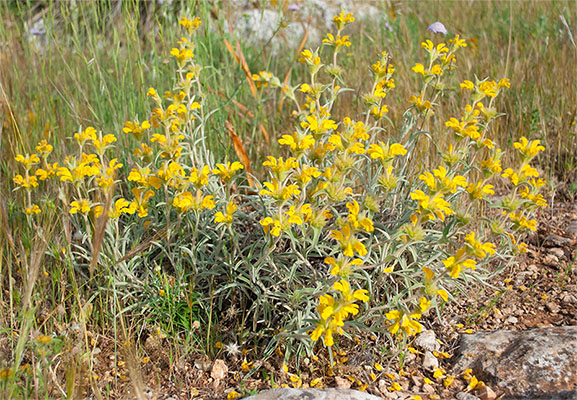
column 553, row 307
column 343, row 383
column 572, row 229
column 486, row 393
column 312, row 394
column 557, row 252
column 554, row 240
column 430, row 361
column 428, row 388
column 427, row 340
column 531, row 364
column 465, row 396
column 512, row 320
column 219, row 369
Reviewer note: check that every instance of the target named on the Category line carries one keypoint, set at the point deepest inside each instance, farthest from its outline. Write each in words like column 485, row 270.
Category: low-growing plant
column 349, row 231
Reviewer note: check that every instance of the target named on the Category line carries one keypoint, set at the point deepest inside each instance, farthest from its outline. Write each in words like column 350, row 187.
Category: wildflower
column 226, row 218
column 190, row 25
column 25, row 182
column 528, row 149
column 199, row 178
column 297, row 142
column 83, row 206
column 467, row 85
column 28, row 161
column 44, row 148
column 186, row 201
column 121, row 206
column 338, row 42
column 140, row 202
column 456, row 263
column 226, row 171
column 278, row 191
column 308, row 57
column 342, row 266
column 354, row 219
column 343, row 19
column 43, row 339
column 262, row 79
column 478, row 249
column 47, row 172
column 182, row 55
column 280, row 167
column 386, row 152
column 318, row 127
column 432, row 207
column 424, row 304
column 404, row 322
column 136, row 128
column 479, row 190
column 233, row 395
column 272, row 226
column 102, row 143
column 348, row 243
column 437, row 27
column 33, row 209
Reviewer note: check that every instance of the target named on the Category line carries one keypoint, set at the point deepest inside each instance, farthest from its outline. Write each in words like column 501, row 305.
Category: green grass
column 94, row 67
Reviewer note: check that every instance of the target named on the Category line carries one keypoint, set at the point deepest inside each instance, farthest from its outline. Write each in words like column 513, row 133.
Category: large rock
column 534, row 364
column 312, row 394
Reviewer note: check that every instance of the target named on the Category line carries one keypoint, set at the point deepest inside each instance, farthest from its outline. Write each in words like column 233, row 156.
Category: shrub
column 348, row 218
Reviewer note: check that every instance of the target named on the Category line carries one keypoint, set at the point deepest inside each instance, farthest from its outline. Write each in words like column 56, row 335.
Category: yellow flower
column 354, row 219
column 479, row 190
column 226, row 218
column 28, row 161
column 419, row 68
column 424, row 304
column 26, row 182
column 338, row 42
column 226, row 171
column 456, row 263
column 348, row 296
column 121, row 206
column 343, row 19
column 528, row 149
column 405, row 322
column 343, row 266
column 43, row 339
column 432, row 207
column 386, row 152
column 190, row 25
column 467, row 85
column 297, row 142
column 379, row 112
column 186, row 201
column 233, row 395
column 278, row 191
column 34, row 209
column 136, row 128
column 272, row 226
column 262, row 79
column 280, row 167
column 44, row 148
column 182, row 54
column 348, row 243
column 83, row 207
column 478, row 249
column 199, row 178
column 317, row 126
column 308, row 57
